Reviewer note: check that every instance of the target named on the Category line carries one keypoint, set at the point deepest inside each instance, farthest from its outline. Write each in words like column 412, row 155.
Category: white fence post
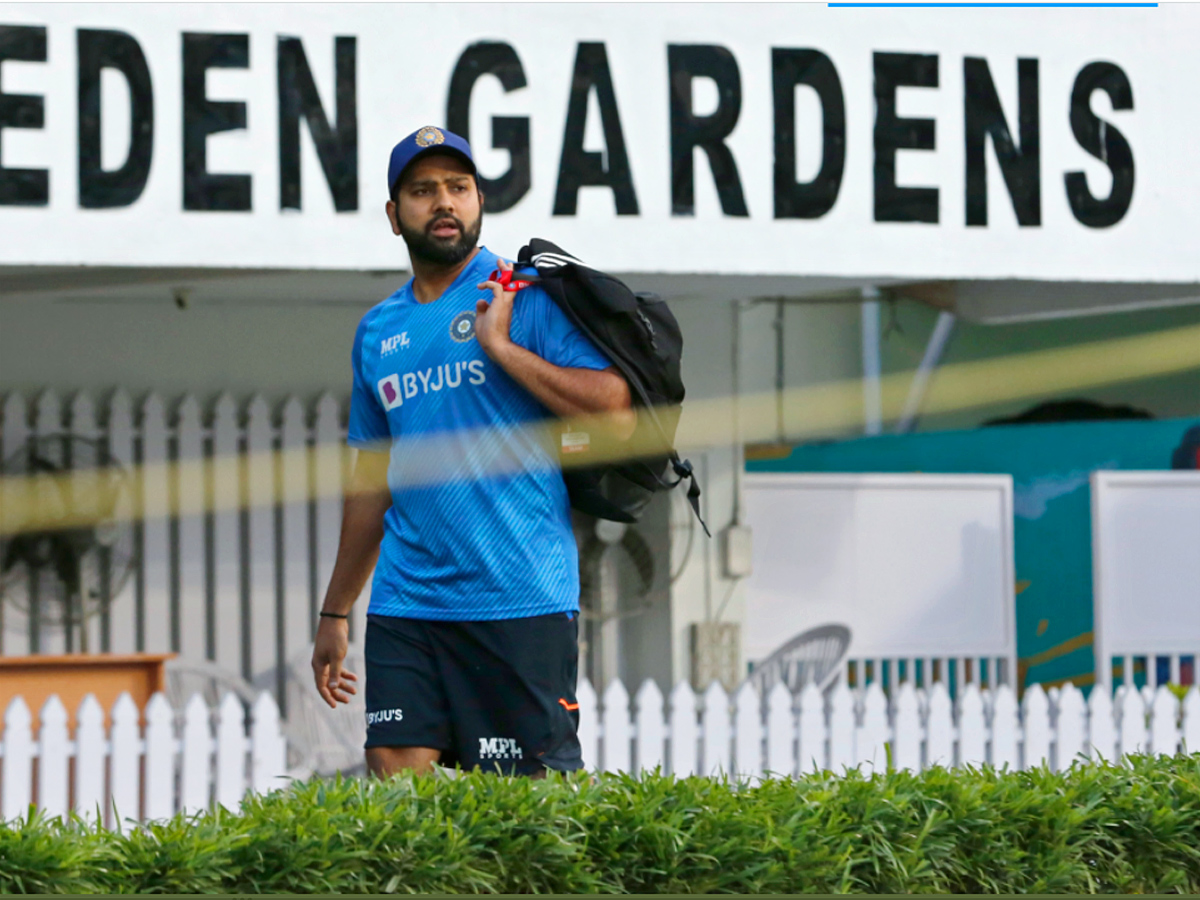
column 231, row 752
column 90, row 758
column 1164, row 736
column 813, row 752
column 841, row 729
column 1102, row 731
column 53, row 758
column 160, row 759
column 1134, row 738
column 1036, row 719
column 871, row 738
column 617, row 730
column 908, row 729
column 781, row 732
column 651, row 730
column 939, row 727
column 1070, row 727
column 1191, row 720
column 16, row 768
column 684, row 732
column 1004, row 728
column 196, row 764
column 716, row 731
column 589, row 724
column 124, row 763
column 972, row 730
column 268, row 749
column 747, row 732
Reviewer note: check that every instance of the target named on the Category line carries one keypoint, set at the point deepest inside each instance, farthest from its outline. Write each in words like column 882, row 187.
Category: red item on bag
column 509, row 280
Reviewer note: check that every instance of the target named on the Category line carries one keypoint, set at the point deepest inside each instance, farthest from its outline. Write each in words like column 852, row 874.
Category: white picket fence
column 711, row 733
column 199, row 758
column 236, row 581
column 129, row 769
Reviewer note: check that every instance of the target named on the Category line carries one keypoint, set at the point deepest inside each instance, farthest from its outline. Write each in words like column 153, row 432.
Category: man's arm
column 366, row 502
column 568, row 393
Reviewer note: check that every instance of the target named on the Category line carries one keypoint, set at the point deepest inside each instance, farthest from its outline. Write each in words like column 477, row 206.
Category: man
column 471, row 645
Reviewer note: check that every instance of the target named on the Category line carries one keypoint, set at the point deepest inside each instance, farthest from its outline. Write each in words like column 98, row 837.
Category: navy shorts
column 499, row 695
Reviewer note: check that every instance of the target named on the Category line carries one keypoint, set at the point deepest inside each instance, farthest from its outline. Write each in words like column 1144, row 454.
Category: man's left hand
column 493, row 320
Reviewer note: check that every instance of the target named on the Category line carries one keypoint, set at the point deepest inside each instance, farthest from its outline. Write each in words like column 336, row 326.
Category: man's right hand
column 334, row 684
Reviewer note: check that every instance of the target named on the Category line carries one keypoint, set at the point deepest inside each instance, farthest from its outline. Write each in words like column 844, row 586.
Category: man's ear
column 393, row 215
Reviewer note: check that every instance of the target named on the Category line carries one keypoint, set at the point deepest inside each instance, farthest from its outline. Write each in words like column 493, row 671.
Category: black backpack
column 638, row 333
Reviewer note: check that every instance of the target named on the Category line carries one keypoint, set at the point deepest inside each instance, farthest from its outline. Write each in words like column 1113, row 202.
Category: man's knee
column 383, row 762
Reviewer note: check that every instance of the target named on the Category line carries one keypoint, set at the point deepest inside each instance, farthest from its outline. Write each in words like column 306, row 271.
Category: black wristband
column 329, row 615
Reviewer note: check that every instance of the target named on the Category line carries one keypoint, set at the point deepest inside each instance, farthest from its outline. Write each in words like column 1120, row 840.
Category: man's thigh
column 405, row 698
column 510, row 689
column 383, row 762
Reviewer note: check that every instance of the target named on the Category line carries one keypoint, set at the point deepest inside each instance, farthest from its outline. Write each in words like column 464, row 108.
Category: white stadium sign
column 789, row 139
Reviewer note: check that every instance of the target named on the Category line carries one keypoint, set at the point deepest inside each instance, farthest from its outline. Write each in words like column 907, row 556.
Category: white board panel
column 1146, row 564
column 914, row 565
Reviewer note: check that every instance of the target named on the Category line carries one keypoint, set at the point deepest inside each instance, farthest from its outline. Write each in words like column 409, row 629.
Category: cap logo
column 429, row 137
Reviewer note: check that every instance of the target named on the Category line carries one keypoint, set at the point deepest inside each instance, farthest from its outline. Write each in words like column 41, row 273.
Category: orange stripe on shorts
column 569, row 707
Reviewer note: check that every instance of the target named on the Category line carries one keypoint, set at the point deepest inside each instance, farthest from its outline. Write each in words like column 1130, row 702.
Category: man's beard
column 424, row 246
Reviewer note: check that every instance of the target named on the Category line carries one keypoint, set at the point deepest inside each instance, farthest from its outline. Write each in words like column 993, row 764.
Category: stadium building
column 191, row 199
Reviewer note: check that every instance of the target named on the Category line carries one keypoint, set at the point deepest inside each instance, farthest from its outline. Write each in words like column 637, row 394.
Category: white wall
column 239, row 340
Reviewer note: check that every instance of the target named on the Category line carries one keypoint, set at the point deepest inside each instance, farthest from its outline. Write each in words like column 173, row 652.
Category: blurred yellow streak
column 42, row 502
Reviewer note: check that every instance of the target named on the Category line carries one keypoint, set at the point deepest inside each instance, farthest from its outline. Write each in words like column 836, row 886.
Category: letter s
column 475, row 367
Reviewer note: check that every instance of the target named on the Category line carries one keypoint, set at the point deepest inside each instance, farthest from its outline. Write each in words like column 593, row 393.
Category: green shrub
column 1133, row 827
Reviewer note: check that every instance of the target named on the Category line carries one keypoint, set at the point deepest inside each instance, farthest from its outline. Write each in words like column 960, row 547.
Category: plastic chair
column 186, row 677
column 812, row 657
column 330, row 740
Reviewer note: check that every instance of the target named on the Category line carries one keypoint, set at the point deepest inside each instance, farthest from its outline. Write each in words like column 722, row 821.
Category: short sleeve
column 554, row 337
column 368, row 424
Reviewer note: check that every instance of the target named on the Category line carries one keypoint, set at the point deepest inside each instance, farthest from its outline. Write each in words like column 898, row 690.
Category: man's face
column 438, row 210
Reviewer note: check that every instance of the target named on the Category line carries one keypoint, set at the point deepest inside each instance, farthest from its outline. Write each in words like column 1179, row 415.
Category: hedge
column 1095, row 828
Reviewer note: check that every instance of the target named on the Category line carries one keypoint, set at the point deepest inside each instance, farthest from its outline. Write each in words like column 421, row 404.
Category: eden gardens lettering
column 1015, row 135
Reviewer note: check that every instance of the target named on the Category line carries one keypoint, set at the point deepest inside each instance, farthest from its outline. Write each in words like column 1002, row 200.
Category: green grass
column 1096, row 828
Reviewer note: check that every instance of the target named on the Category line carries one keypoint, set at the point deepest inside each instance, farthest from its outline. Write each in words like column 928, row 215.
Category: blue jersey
column 480, row 524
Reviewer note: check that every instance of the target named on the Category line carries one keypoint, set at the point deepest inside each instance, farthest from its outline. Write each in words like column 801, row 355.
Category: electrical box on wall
column 736, row 551
column 716, row 654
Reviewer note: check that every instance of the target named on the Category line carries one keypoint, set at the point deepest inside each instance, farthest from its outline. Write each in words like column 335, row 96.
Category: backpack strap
column 683, row 468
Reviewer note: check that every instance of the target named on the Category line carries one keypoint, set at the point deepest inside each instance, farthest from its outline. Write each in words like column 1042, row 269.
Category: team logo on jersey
column 382, row 716
column 396, row 342
column 499, row 748
column 429, row 137
column 462, row 329
column 390, row 393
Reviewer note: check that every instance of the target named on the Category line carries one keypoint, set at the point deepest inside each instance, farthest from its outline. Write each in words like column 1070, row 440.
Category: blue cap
column 421, row 142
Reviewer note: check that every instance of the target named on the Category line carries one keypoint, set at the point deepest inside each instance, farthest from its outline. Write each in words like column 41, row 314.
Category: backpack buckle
column 510, row 281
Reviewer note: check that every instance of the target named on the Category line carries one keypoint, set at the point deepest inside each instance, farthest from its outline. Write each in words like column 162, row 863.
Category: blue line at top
column 1010, row 5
